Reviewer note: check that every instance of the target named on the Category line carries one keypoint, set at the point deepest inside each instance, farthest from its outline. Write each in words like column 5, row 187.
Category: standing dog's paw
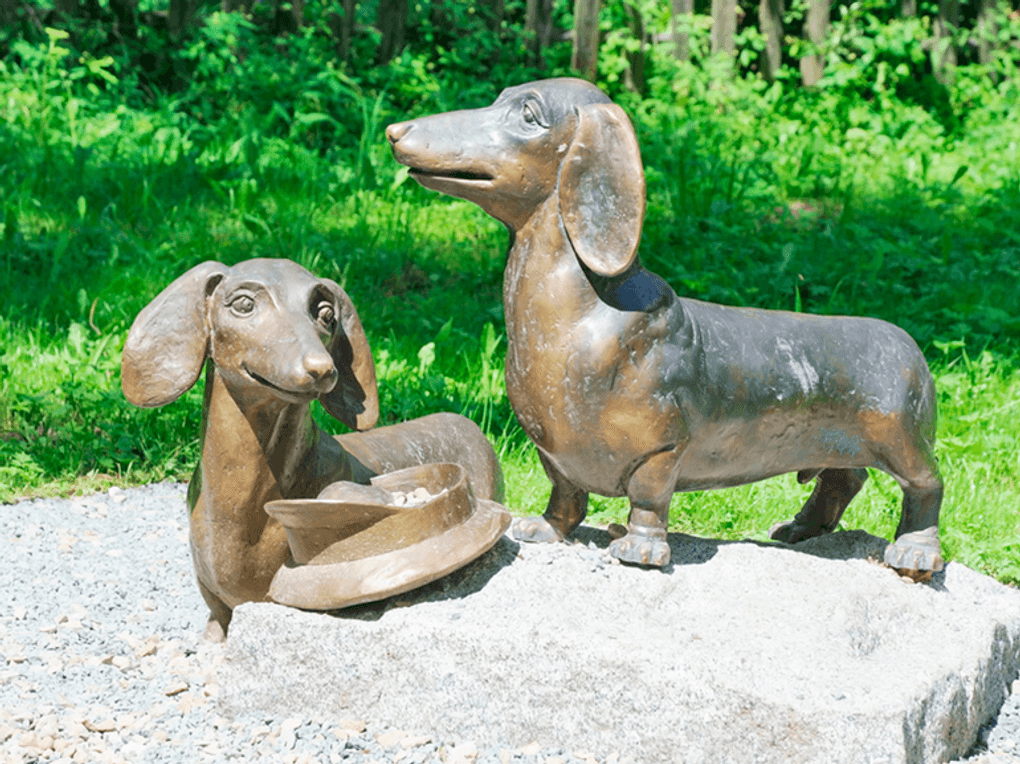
column 915, row 555
column 641, row 550
column 535, row 529
column 791, row 531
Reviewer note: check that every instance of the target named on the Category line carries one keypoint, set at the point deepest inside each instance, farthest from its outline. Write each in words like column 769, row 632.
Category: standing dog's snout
column 397, row 131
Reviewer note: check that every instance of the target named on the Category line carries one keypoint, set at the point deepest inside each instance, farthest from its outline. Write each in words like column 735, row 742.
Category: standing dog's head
column 271, row 328
column 559, row 136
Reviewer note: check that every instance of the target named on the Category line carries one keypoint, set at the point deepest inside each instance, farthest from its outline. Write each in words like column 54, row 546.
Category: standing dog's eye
column 242, row 305
column 326, row 315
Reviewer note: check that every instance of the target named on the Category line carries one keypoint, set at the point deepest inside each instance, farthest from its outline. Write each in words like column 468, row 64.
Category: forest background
column 855, row 159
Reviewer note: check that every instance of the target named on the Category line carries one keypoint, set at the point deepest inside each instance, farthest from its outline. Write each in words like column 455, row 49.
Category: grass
column 754, row 199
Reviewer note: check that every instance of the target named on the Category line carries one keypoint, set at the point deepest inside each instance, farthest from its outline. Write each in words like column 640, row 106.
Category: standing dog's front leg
column 650, row 490
column 567, row 507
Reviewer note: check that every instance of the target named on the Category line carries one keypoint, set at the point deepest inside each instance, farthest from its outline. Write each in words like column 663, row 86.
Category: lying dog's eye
column 530, row 114
column 242, row 305
column 326, row 315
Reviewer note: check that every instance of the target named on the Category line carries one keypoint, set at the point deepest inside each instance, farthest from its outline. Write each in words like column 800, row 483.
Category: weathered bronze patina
column 352, row 545
column 273, row 338
column 627, row 389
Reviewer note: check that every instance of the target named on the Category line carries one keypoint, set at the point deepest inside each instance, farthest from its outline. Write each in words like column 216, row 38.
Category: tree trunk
column 126, row 21
column 290, row 15
column 634, row 77
column 342, row 27
column 538, row 26
column 770, row 13
column 944, row 52
column 816, row 27
column 492, row 11
column 586, row 38
column 986, row 30
column 724, row 27
column 67, row 9
column 908, row 8
column 392, row 23
column 230, row 6
column 683, row 11
column 179, row 17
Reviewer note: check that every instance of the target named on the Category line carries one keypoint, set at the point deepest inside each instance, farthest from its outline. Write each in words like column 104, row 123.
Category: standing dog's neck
column 542, row 246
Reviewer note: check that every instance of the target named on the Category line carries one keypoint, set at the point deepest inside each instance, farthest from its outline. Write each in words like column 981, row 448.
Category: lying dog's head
column 271, row 328
column 559, row 136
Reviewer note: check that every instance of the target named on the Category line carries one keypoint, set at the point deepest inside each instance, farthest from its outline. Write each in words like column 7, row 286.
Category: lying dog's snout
column 397, row 131
column 319, row 366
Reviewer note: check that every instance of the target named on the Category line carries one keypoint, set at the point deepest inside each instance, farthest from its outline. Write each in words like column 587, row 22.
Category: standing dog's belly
column 780, row 392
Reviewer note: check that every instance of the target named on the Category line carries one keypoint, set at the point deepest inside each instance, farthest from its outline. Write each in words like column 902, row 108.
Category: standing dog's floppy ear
column 602, row 189
column 355, row 398
column 169, row 339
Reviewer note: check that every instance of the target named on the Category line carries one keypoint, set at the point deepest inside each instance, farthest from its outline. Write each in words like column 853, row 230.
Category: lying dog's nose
column 321, row 369
column 397, row 131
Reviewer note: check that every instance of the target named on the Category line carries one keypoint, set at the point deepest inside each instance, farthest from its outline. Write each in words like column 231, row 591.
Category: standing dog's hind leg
column 834, row 490
column 917, row 551
column 650, row 489
column 567, row 507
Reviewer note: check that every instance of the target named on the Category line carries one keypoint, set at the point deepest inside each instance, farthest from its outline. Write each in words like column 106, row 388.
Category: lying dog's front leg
column 650, row 490
column 567, row 507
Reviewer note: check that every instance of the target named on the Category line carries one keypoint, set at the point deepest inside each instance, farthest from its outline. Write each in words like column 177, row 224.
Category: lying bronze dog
column 627, row 389
column 276, row 338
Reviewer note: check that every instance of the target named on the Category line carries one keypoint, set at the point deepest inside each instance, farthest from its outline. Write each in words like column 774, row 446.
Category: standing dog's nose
column 397, row 131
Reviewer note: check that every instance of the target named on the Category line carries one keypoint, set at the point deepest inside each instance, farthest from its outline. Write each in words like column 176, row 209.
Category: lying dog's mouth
column 293, row 396
column 421, row 172
column 265, row 382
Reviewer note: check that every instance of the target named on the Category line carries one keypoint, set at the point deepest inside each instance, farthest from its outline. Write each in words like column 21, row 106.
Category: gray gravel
column 102, row 660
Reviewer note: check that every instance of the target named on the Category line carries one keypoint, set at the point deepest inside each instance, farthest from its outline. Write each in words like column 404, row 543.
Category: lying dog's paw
column 641, row 550
column 535, row 529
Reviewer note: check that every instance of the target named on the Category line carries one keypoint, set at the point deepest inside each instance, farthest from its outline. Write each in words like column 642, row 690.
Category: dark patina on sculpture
column 273, row 338
column 627, row 389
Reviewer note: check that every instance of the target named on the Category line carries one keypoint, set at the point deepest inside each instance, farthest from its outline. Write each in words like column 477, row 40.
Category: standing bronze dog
column 276, row 338
column 627, row 389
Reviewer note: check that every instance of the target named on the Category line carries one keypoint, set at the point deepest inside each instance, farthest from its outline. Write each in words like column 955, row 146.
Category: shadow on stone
column 457, row 585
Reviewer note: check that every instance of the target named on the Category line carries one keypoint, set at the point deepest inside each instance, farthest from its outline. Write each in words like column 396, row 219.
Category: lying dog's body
column 276, row 338
column 627, row 389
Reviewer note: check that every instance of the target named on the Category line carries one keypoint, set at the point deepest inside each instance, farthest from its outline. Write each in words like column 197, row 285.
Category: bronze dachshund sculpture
column 273, row 338
column 627, row 389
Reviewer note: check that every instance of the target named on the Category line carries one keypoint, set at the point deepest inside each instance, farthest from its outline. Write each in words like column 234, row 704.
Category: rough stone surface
column 812, row 653
column 102, row 658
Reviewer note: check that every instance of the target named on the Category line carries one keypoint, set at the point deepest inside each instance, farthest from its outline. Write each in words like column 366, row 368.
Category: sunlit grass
column 894, row 229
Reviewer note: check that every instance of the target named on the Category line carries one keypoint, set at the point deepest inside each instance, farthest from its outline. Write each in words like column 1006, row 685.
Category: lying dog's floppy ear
column 602, row 189
column 355, row 398
column 169, row 339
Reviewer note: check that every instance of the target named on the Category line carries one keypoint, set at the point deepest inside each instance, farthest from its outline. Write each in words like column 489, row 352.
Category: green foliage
column 878, row 193
column 64, row 421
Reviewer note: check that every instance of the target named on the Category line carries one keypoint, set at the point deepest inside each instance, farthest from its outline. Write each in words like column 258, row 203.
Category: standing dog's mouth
column 421, row 172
